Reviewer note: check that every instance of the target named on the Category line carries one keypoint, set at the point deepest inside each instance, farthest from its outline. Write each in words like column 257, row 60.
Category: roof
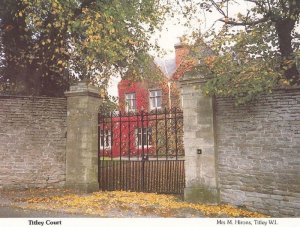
column 167, row 66
column 151, row 72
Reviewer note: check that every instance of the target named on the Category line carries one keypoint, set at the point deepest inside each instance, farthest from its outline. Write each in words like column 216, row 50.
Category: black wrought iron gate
column 142, row 151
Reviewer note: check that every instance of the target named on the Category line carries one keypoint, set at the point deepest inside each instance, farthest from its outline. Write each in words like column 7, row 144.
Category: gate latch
column 145, row 158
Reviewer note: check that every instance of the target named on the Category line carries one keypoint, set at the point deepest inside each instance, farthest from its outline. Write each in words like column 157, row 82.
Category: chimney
column 181, row 51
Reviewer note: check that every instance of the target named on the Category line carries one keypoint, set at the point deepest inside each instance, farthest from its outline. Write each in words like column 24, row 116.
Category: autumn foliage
column 130, row 204
column 46, row 45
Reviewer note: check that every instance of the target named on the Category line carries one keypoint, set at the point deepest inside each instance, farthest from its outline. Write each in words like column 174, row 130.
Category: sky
column 172, row 30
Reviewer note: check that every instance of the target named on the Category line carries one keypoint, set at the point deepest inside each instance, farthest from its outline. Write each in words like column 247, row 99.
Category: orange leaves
column 9, row 28
column 209, row 60
column 132, row 42
column 133, row 204
column 184, row 67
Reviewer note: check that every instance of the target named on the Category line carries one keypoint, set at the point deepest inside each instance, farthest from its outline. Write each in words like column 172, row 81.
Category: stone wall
column 32, row 141
column 258, row 149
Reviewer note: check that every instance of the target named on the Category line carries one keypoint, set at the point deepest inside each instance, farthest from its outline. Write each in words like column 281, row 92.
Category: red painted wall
column 141, row 93
column 123, row 128
column 124, row 137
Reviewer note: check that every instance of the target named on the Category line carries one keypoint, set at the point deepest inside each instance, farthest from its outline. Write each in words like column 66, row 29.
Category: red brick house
column 142, row 97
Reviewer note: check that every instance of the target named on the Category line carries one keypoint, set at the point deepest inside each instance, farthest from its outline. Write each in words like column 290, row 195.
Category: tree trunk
column 284, row 30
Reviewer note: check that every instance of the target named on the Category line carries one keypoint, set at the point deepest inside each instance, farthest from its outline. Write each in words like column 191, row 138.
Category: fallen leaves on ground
column 128, row 204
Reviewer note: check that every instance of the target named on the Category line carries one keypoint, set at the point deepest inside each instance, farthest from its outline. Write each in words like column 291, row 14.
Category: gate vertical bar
column 110, row 183
column 129, row 140
column 111, row 136
column 143, row 152
column 147, row 134
column 128, row 153
column 104, row 168
column 177, row 169
column 120, row 147
column 99, row 172
column 156, row 133
column 142, row 134
column 167, row 147
column 137, row 136
column 147, row 153
column 166, row 133
column 136, row 164
column 176, row 139
column 157, row 180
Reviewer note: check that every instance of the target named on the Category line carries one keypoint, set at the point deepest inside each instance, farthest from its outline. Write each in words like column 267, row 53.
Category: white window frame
column 154, row 95
column 130, row 102
column 147, row 135
column 106, row 138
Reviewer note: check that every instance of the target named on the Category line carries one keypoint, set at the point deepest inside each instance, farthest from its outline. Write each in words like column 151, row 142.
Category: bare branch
column 258, row 3
column 245, row 23
column 218, row 8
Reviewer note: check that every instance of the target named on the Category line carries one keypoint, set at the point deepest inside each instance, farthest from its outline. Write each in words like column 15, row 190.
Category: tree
column 47, row 44
column 255, row 51
column 28, row 66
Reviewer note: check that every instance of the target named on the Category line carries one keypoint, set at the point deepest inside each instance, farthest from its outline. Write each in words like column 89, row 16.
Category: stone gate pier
column 81, row 151
column 199, row 143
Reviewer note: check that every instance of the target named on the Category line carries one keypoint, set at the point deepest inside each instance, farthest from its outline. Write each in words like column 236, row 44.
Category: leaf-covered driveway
column 118, row 204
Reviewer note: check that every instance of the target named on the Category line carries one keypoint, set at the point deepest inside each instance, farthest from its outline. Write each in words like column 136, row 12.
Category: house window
column 143, row 137
column 105, row 138
column 155, row 99
column 130, row 102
